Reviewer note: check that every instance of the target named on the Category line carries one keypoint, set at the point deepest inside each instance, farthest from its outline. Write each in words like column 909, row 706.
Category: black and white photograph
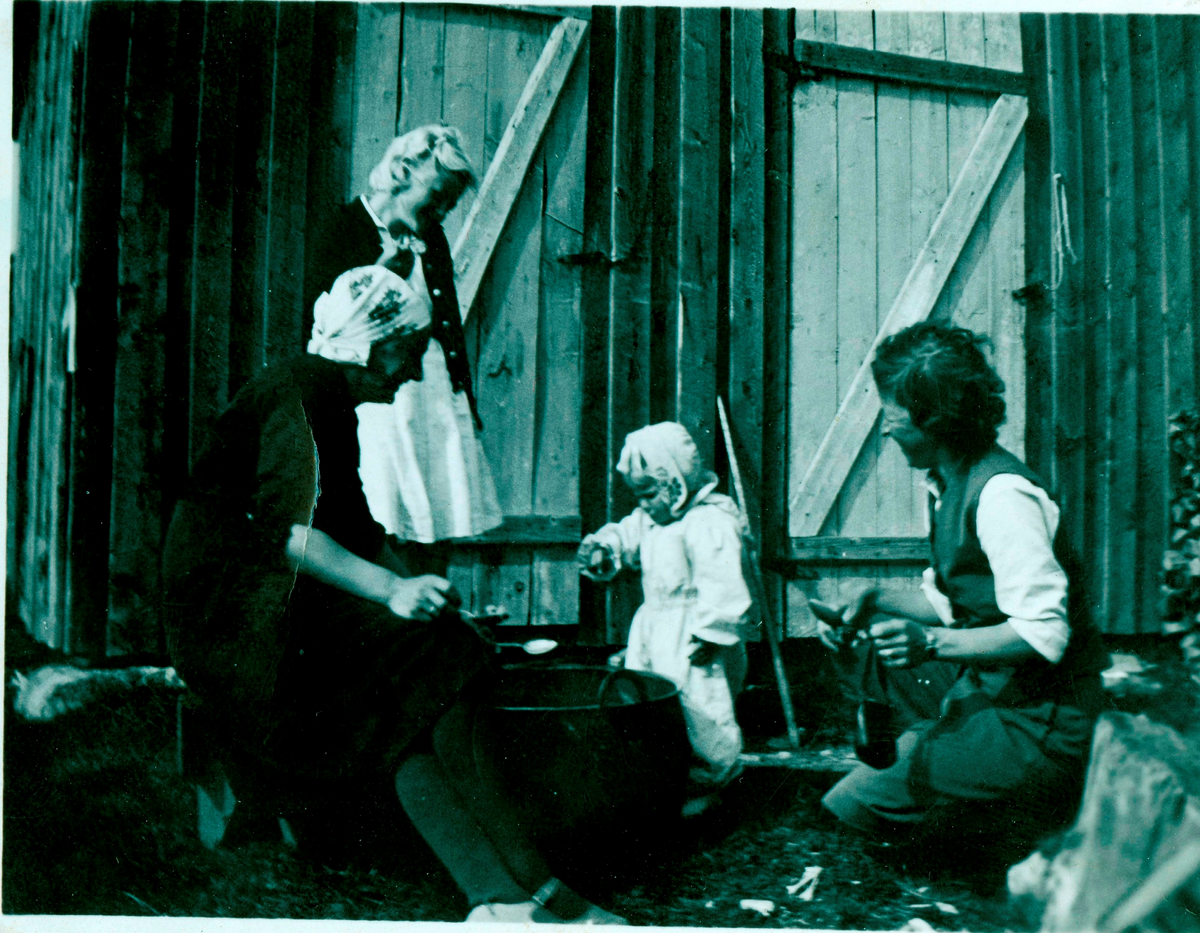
column 654, row 466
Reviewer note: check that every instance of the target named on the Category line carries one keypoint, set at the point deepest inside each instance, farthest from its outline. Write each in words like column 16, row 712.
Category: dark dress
column 306, row 678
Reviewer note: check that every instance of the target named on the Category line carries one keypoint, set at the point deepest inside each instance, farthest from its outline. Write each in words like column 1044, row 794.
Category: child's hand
column 595, row 561
column 703, row 653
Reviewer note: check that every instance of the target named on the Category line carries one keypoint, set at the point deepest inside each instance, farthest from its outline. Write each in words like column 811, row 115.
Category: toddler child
column 686, row 540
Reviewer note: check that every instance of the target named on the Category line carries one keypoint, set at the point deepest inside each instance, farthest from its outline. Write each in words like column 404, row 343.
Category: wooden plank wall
column 1112, row 113
column 674, row 237
column 467, row 67
column 42, row 330
column 213, row 136
column 191, row 179
column 872, row 165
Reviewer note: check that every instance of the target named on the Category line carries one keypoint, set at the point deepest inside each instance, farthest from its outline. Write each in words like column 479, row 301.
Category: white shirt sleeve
column 1016, row 523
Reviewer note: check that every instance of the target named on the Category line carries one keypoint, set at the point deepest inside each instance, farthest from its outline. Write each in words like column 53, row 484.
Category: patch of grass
column 97, row 821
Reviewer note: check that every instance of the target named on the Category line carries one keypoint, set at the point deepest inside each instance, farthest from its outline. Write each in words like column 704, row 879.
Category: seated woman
column 992, row 668
column 287, row 617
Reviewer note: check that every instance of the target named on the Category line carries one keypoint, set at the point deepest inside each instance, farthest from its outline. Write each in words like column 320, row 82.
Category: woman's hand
column 419, row 598
column 901, row 642
column 596, row 561
column 858, row 602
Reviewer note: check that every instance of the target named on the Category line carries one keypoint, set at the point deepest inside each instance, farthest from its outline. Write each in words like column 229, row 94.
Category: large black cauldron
column 596, row 759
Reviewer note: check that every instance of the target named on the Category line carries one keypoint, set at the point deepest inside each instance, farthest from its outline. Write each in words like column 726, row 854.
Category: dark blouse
column 309, row 678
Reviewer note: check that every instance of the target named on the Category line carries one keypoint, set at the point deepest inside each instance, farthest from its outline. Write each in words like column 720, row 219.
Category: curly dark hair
column 939, row 374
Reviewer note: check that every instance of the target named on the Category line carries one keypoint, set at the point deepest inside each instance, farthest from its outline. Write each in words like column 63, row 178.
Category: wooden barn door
column 516, row 84
column 907, row 203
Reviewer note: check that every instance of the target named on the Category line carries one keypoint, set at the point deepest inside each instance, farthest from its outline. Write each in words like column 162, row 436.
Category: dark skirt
column 357, row 685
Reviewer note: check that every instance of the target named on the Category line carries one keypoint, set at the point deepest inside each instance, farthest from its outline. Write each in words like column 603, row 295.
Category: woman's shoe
column 503, row 913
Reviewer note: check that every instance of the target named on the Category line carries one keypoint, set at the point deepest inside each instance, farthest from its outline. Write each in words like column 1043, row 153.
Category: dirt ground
column 98, row 822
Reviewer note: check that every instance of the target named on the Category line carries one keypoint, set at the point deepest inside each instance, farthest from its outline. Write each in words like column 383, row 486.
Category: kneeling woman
column 991, row 669
column 287, row 615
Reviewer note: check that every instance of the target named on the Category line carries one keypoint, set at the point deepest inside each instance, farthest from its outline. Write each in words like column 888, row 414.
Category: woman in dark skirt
column 991, row 669
column 290, row 619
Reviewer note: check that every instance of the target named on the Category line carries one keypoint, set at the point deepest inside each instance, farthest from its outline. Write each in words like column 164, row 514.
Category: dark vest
column 964, row 575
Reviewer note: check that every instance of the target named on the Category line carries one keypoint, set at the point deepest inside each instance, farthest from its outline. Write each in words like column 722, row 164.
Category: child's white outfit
column 694, row 589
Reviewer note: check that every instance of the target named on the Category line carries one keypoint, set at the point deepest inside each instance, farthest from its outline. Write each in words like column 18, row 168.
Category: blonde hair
column 443, row 144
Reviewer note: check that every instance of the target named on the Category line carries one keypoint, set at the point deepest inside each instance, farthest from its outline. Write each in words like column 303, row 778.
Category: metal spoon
column 534, row 646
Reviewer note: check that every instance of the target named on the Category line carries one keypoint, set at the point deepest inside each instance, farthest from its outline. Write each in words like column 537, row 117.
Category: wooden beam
column 530, row 530
column 814, row 59
column 840, row 447
column 575, row 12
column 857, row 550
column 502, row 183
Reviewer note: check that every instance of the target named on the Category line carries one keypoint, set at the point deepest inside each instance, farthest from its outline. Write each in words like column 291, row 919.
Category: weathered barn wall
column 212, row 139
column 673, row 292
column 873, row 164
column 1114, row 190
column 42, row 337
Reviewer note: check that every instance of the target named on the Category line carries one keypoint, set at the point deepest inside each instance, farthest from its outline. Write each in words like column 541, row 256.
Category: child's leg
column 708, row 710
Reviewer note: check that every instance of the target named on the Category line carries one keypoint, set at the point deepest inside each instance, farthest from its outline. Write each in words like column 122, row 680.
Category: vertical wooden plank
column 965, row 297
column 506, row 365
column 212, row 258
column 376, row 87
column 555, row 597
column 464, row 96
column 1152, row 413
column 1071, row 378
column 1121, row 264
column 330, row 129
column 693, row 353
column 595, row 478
column 137, row 519
column 777, row 34
column 813, row 399
column 1039, row 387
column 249, row 276
column 177, row 374
column 897, row 508
column 1175, row 226
column 631, row 204
column 857, row 283
column 665, row 271
column 96, row 328
column 1006, row 246
column 423, row 65
column 1191, row 60
column 1092, row 230
column 287, row 184
column 746, row 245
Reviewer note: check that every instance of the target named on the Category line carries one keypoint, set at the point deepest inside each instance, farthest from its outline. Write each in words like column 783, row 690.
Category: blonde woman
column 422, row 465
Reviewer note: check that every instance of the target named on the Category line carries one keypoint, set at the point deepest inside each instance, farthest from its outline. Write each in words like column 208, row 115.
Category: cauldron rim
column 674, row 690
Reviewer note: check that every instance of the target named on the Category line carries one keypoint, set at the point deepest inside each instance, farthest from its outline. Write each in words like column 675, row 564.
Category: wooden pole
column 760, row 591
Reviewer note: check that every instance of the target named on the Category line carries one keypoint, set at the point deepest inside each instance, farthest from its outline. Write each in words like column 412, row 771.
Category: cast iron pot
column 596, row 759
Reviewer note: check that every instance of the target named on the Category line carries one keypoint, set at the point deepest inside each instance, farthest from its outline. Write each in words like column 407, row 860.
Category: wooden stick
column 760, row 594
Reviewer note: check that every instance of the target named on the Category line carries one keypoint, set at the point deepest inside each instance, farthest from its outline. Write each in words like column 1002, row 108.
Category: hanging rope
column 1060, row 231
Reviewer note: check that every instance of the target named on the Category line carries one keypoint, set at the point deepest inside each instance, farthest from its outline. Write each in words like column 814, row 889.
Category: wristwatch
column 931, row 643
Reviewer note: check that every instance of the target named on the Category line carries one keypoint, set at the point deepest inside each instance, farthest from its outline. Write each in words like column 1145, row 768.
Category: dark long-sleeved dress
column 305, row 677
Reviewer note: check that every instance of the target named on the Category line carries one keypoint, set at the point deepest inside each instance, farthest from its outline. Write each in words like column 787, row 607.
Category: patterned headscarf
column 364, row 306
column 666, row 452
